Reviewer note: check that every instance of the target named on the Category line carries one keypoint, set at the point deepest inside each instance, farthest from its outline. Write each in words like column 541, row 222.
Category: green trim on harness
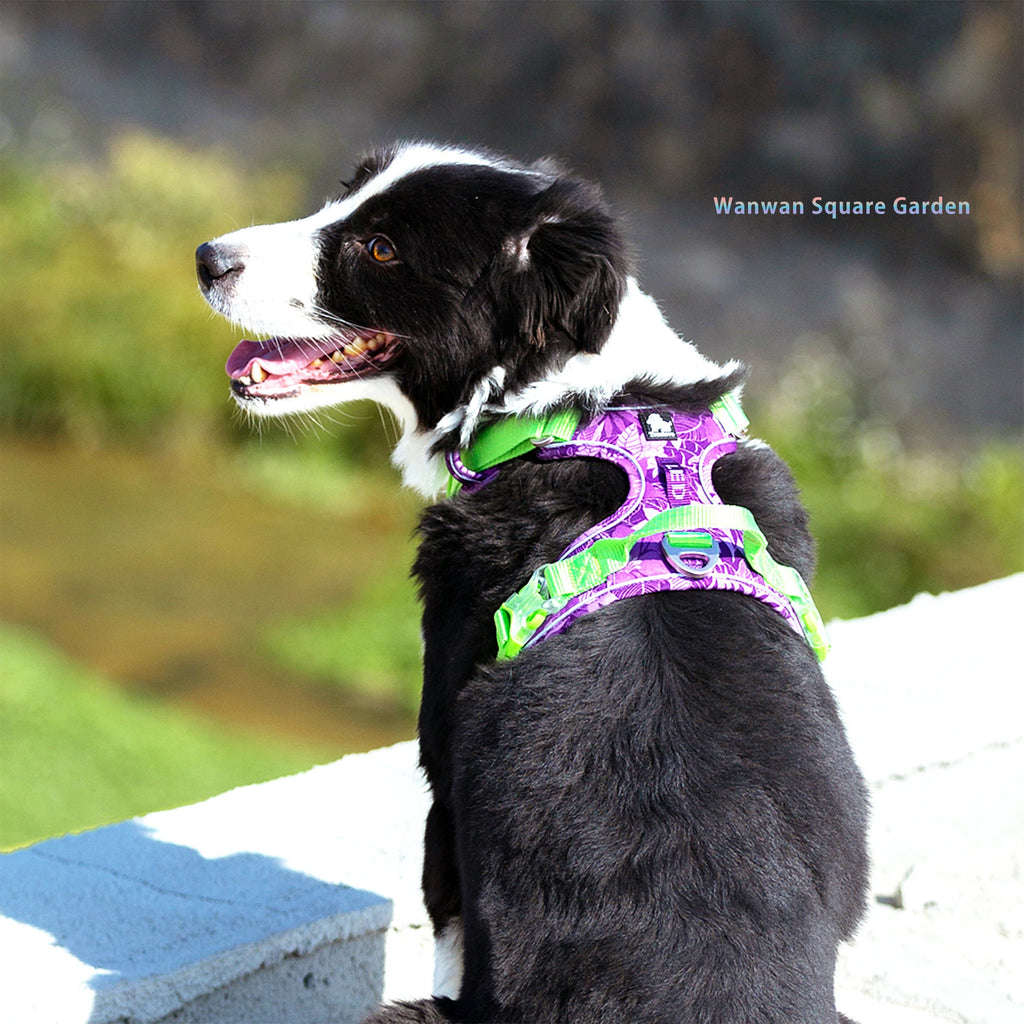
column 730, row 415
column 553, row 585
column 507, row 439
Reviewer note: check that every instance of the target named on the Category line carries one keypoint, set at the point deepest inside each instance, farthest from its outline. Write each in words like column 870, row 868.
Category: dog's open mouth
column 283, row 367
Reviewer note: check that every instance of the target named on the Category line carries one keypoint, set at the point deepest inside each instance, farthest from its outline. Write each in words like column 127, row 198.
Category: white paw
column 448, row 960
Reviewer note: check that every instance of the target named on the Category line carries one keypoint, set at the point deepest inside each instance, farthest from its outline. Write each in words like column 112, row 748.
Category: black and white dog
column 654, row 816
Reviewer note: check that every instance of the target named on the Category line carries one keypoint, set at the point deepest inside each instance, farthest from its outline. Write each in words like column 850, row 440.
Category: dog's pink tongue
column 278, row 356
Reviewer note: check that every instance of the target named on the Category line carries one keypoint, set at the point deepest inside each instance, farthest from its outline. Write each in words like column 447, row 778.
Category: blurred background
column 189, row 604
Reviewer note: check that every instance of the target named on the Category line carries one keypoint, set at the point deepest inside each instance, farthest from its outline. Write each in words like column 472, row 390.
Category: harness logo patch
column 657, row 427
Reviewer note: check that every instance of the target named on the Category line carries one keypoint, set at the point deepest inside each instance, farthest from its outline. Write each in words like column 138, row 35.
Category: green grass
column 77, row 751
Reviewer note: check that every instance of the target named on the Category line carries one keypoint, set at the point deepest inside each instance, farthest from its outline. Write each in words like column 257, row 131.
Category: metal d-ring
column 694, row 553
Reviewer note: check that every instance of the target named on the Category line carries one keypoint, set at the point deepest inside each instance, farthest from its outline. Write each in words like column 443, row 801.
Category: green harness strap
column 507, row 439
column 553, row 585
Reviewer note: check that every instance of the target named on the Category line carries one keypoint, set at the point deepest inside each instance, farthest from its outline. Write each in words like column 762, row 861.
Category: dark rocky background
column 668, row 105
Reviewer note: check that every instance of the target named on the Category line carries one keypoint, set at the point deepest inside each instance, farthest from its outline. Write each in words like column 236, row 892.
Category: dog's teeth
column 258, row 373
column 355, row 348
column 337, row 357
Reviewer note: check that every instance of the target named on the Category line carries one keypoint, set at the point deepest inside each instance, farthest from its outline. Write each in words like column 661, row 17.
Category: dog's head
column 446, row 285
column 437, row 268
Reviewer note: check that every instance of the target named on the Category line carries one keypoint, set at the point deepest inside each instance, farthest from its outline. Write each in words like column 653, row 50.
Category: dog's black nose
column 214, row 262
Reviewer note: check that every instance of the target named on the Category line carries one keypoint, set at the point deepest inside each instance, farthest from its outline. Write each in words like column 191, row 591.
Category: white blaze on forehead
column 407, row 160
column 276, row 293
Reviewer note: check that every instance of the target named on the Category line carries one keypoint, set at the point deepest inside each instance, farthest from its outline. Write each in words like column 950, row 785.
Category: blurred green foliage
column 890, row 522
column 104, row 335
column 371, row 645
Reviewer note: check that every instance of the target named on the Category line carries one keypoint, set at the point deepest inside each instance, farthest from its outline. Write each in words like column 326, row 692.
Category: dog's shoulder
column 526, row 515
column 756, row 478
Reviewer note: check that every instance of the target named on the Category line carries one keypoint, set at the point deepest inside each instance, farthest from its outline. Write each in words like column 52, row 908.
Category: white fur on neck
column 421, row 469
column 641, row 344
column 466, row 417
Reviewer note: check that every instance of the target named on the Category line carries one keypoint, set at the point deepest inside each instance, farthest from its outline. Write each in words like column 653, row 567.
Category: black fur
column 655, row 817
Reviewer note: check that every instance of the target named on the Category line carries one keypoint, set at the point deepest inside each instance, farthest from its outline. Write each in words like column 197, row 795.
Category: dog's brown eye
column 381, row 249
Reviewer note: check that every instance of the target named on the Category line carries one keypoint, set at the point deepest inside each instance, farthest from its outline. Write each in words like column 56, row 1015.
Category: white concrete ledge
column 297, row 901
column 292, row 902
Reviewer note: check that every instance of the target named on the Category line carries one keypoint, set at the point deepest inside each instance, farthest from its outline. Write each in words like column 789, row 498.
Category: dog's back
column 660, row 817
column 653, row 816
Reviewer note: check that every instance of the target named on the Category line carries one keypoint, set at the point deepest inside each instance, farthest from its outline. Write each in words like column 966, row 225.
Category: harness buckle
column 694, row 553
column 523, row 613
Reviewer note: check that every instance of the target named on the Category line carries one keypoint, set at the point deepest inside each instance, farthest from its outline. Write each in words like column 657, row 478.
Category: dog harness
column 673, row 532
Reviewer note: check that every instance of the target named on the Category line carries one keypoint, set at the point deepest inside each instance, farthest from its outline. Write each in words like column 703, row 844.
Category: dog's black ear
column 564, row 275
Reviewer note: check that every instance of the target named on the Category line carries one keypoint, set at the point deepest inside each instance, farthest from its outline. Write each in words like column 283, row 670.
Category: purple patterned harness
column 673, row 532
